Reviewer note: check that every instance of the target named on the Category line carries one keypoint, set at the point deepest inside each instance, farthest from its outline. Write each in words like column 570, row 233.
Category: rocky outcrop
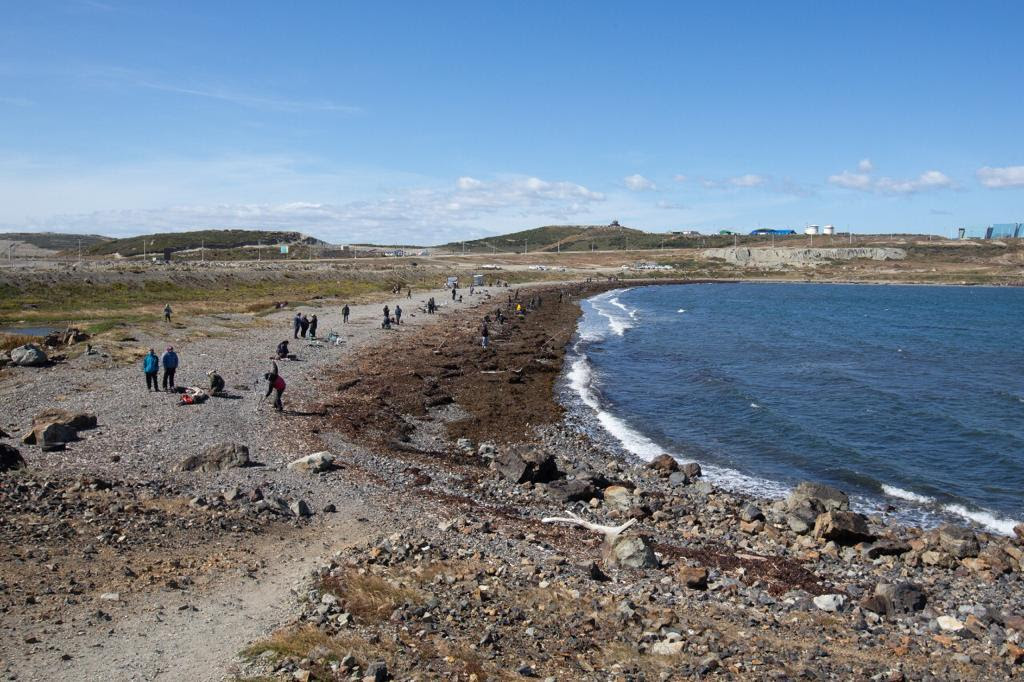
column 313, row 464
column 54, row 427
column 778, row 258
column 818, row 496
column 630, row 551
column 842, row 527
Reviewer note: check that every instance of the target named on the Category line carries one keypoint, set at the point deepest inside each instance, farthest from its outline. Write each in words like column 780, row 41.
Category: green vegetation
column 55, row 241
column 210, row 239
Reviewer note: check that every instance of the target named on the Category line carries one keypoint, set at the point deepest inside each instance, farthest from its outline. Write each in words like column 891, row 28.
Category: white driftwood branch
column 610, row 532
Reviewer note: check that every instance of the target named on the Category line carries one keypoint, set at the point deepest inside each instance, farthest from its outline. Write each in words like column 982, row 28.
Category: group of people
column 302, row 325
column 388, row 319
column 151, row 365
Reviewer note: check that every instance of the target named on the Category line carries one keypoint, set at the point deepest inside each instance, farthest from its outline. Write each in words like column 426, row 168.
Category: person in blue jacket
column 170, row 362
column 151, row 367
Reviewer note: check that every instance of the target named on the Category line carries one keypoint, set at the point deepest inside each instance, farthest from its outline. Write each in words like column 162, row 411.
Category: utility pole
column 259, row 253
column 526, row 247
column 143, row 249
column 202, row 250
column 79, row 250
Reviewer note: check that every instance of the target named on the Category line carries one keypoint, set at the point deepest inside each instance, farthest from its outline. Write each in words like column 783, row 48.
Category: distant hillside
column 210, row 239
column 571, row 238
column 54, row 241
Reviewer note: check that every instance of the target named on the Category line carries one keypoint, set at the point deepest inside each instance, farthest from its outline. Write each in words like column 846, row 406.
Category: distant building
column 1005, row 231
column 765, row 231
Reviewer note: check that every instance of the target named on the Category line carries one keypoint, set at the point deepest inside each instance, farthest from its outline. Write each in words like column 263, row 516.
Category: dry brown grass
column 9, row 341
column 369, row 598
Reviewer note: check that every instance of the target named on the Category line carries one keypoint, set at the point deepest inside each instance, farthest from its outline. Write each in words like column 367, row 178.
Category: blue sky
column 424, row 122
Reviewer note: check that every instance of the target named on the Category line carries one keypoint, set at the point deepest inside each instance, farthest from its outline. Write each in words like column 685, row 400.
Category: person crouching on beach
column 151, row 367
column 170, row 362
column 216, row 382
column 282, row 350
column 275, row 383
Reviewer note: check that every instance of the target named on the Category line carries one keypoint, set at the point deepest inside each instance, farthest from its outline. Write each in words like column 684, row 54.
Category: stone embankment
column 778, row 258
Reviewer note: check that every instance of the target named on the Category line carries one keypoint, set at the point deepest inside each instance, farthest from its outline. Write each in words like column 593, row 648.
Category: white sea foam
column 755, row 406
column 893, row 491
column 984, row 518
column 617, row 323
column 681, row 310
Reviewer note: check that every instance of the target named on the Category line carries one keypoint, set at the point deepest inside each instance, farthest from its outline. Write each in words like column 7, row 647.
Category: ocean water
column 909, row 398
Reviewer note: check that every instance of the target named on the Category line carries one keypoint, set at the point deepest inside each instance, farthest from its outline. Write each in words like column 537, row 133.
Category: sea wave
column 611, row 308
column 907, row 495
column 983, row 517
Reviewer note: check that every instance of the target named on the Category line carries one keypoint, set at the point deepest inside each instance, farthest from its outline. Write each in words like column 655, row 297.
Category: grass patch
column 369, row 598
column 9, row 341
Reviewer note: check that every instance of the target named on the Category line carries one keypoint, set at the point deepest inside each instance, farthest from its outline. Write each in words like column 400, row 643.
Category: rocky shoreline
column 421, row 467
column 469, row 445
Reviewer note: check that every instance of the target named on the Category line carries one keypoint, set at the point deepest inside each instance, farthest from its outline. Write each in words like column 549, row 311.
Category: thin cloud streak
column 253, row 101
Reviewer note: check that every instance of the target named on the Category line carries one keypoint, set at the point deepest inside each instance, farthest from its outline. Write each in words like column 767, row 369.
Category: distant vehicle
column 451, row 283
column 490, row 266
column 478, row 280
column 765, row 231
column 539, row 267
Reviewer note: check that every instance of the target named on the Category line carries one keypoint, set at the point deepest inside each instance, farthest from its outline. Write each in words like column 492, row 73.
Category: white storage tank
column 811, row 229
column 828, row 229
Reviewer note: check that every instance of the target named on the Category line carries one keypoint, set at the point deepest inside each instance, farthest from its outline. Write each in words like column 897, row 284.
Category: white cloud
column 1001, row 177
column 864, row 181
column 638, row 183
column 417, row 214
column 466, row 183
column 851, row 180
column 679, row 177
column 747, row 180
column 250, row 100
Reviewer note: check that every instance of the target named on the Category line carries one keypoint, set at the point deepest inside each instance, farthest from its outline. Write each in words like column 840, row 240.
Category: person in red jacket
column 275, row 383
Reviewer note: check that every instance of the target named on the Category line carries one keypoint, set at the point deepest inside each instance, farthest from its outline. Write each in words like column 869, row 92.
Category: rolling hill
column 54, row 241
column 209, row 239
column 570, row 238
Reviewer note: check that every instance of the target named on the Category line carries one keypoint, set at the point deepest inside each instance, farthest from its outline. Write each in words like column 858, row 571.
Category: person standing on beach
column 485, row 334
column 167, row 312
column 313, row 322
column 296, row 325
column 408, row 292
column 170, row 362
column 303, row 325
column 344, row 314
column 398, row 314
column 453, row 293
column 151, row 367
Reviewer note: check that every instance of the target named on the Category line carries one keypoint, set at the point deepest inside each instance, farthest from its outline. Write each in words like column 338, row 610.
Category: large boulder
column 819, row 496
column 217, row 458
column 631, row 551
column 10, row 458
column 57, row 426
column 618, row 497
column 893, row 598
column 663, row 464
column 575, row 490
column 315, row 463
column 842, row 527
column 960, row 542
column 29, row 355
column 526, row 464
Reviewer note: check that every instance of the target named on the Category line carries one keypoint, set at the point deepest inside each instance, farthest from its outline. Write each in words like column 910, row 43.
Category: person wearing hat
column 151, row 368
column 216, row 382
column 170, row 362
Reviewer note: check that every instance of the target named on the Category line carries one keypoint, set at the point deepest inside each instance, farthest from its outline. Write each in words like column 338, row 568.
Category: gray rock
column 526, row 464
column 819, row 496
column 692, row 470
column 751, row 513
column 315, row 463
column 902, row 597
column 801, row 520
column 842, row 527
column 377, row 672
column 575, row 490
column 54, row 433
column 703, row 487
column 886, row 548
column 10, row 458
column 960, row 542
column 678, row 478
column 29, row 355
column 618, row 497
column 217, row 458
column 830, row 602
column 299, row 508
column 631, row 551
